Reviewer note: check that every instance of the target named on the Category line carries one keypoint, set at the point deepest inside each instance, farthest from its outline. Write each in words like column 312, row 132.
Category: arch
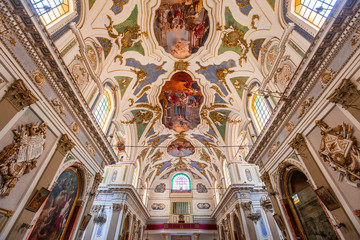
column 237, row 228
column 55, row 216
column 307, row 216
column 180, row 182
column 126, row 228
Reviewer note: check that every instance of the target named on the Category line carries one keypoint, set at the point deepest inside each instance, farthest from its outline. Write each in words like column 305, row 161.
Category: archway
column 309, row 214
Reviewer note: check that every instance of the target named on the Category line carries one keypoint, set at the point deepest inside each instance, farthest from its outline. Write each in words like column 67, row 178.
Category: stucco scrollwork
column 20, row 157
column 19, row 95
column 338, row 149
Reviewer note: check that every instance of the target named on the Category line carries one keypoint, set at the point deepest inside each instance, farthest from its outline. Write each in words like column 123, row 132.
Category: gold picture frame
column 37, row 200
column 5, row 215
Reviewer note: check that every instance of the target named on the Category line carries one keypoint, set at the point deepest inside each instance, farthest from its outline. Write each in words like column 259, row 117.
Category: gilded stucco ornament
column 19, row 96
column 338, row 149
column 345, row 95
column 233, row 38
column 181, row 65
column 21, row 156
column 97, row 180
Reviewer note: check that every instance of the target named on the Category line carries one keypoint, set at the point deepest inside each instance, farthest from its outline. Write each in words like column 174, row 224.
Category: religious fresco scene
column 181, row 98
column 181, row 148
column 53, row 218
column 181, row 27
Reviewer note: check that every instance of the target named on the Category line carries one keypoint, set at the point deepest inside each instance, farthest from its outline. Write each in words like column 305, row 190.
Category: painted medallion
column 181, row 26
column 181, row 98
column 181, row 148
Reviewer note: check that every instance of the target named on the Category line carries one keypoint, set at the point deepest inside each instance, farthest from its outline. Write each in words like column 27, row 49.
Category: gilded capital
column 298, row 142
column 97, row 180
column 345, row 94
column 19, row 96
column 65, row 144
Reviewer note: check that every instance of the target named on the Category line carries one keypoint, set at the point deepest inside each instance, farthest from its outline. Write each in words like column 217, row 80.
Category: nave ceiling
column 180, row 71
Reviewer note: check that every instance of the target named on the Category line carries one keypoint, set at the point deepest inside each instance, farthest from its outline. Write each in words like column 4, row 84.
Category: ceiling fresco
column 180, row 69
column 181, row 99
column 181, row 27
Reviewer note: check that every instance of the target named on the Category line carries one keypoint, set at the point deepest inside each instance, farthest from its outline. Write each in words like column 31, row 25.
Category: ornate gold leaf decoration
column 252, row 24
column 143, row 91
column 243, row 3
column 339, row 149
column 221, row 74
column 20, row 157
column 140, row 76
column 216, row 88
column 235, row 38
column 65, row 144
column 19, row 96
column 181, row 65
column 305, row 106
column 58, row 106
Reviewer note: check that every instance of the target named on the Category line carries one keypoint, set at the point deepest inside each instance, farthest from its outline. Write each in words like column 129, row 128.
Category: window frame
column 178, row 190
column 61, row 21
column 105, row 122
column 254, row 112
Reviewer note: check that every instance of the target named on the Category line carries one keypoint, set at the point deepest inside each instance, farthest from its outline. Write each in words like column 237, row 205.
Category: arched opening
column 180, row 183
column 126, row 228
column 56, row 213
column 311, row 218
column 237, row 229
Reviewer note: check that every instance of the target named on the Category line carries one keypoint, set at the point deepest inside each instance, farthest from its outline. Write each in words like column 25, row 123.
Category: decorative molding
column 97, row 180
column 65, row 144
column 338, row 149
column 298, row 142
column 19, row 95
column 20, row 157
column 305, row 106
column 345, row 95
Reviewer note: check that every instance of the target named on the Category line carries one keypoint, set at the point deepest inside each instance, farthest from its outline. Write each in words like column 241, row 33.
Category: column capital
column 65, row 144
column 19, row 95
column 345, row 94
column 298, row 142
column 97, row 180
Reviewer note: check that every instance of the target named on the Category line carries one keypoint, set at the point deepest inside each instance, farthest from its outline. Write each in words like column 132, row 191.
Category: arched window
column 50, row 10
column 260, row 110
column 181, row 182
column 314, row 11
column 135, row 177
column 103, row 110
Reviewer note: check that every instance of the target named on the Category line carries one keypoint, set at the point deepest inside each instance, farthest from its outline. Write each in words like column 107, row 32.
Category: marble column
column 117, row 211
column 299, row 144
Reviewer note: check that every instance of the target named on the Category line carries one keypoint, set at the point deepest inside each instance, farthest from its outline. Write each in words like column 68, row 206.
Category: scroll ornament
column 339, row 149
column 20, row 157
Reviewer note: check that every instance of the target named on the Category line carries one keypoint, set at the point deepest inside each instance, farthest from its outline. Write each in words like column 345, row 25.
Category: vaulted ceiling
column 178, row 69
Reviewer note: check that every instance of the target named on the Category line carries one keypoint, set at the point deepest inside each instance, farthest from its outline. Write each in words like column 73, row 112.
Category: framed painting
column 5, row 215
column 327, row 199
column 37, row 200
column 85, row 222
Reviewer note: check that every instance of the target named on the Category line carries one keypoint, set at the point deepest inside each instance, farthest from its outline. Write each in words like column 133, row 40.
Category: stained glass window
column 314, row 11
column 50, row 10
column 260, row 110
column 103, row 110
column 180, row 182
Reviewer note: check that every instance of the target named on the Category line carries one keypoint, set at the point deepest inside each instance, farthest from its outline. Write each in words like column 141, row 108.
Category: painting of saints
column 58, row 208
column 181, row 26
column 181, row 98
